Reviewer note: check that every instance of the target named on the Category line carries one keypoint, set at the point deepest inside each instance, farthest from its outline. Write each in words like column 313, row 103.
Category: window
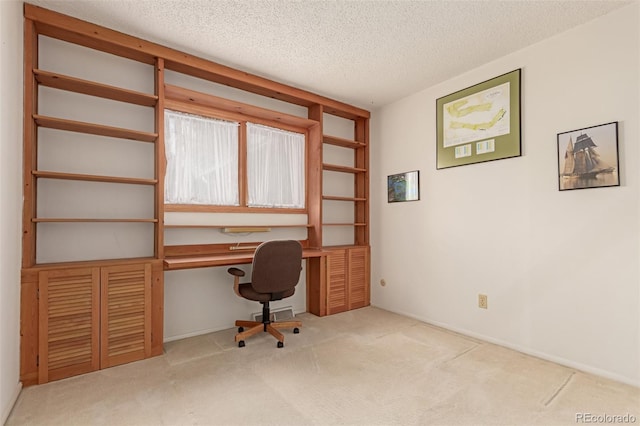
column 275, row 167
column 208, row 159
column 202, row 160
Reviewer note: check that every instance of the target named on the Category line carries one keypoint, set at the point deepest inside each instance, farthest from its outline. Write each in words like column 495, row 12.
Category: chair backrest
column 276, row 266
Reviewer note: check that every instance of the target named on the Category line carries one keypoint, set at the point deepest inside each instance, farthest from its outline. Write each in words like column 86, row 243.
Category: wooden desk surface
column 225, row 259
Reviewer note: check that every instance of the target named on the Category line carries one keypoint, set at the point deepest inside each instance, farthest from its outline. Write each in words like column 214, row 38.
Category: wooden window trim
column 203, row 103
column 228, row 209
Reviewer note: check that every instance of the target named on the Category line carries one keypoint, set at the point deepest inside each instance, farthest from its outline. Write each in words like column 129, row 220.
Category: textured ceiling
column 367, row 53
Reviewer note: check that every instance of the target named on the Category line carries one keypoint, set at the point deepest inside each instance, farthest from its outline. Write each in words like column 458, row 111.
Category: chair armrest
column 235, row 271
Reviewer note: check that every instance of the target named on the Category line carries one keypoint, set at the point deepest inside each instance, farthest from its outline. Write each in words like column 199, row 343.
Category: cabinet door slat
column 126, row 315
column 68, row 320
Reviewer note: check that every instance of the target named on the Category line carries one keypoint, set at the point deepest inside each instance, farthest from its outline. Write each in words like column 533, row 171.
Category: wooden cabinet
column 359, row 282
column 69, row 329
column 347, row 279
column 337, row 282
column 84, row 316
column 92, row 318
column 125, row 314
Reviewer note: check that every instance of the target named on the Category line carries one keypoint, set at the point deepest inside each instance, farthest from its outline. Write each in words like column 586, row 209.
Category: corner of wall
column 10, row 209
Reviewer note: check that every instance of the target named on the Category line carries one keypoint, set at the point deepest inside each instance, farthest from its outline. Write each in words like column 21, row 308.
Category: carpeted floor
column 363, row 367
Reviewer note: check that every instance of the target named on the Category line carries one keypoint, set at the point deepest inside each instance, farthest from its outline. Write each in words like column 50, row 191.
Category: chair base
column 255, row 327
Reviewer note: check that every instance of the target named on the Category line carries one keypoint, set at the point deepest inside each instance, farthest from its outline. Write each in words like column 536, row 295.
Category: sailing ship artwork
column 588, row 158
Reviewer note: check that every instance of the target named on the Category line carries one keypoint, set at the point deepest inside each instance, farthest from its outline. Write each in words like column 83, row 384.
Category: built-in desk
column 204, row 256
column 224, row 259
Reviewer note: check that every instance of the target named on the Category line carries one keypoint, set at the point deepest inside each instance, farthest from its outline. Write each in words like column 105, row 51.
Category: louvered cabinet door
column 358, row 289
column 126, row 314
column 337, row 282
column 69, row 323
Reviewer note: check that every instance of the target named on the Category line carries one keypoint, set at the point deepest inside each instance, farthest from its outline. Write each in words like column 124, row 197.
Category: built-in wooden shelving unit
column 341, row 282
column 360, row 172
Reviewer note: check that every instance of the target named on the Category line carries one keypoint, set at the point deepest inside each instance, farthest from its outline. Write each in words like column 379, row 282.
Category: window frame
column 204, row 110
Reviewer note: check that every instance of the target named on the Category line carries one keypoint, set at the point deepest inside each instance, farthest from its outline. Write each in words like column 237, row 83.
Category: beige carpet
column 364, row 367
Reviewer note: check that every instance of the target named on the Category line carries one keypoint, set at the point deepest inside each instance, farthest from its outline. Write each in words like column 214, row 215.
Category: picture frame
column 403, row 187
column 480, row 123
column 588, row 157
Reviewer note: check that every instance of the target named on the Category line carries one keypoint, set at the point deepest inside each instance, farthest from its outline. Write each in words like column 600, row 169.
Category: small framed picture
column 588, row 157
column 403, row 187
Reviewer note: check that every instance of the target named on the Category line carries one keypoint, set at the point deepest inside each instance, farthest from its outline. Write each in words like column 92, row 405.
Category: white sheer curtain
column 275, row 167
column 202, row 160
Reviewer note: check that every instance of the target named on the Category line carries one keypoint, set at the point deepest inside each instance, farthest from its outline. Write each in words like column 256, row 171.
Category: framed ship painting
column 588, row 158
column 403, row 187
column 480, row 123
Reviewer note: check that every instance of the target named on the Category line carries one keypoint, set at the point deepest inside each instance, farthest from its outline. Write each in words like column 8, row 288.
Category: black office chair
column 276, row 271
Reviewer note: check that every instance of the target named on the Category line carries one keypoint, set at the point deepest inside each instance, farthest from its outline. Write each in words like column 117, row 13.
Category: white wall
column 11, row 205
column 561, row 269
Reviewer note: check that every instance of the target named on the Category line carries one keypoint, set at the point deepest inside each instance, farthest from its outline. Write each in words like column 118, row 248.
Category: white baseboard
column 12, row 401
column 195, row 333
column 525, row 350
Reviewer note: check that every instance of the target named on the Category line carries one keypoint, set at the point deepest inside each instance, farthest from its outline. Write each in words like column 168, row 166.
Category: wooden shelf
column 335, row 198
column 86, row 220
column 72, row 84
column 343, row 169
column 93, row 129
column 344, row 224
column 345, row 143
column 93, row 178
column 343, row 246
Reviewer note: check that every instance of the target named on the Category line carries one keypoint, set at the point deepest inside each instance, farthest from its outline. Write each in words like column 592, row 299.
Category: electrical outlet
column 482, row 301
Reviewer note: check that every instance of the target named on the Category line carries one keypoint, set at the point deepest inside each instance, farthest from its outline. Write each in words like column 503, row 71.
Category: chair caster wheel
column 280, row 345
column 240, row 329
column 241, row 344
column 296, row 330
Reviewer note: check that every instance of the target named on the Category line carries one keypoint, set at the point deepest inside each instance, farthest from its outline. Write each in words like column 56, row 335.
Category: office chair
column 276, row 271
